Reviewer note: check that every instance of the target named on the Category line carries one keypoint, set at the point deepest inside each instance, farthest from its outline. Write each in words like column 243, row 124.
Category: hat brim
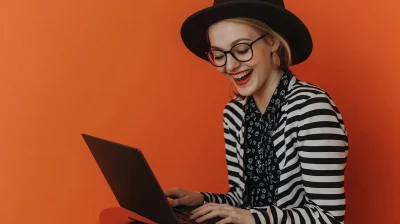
column 282, row 21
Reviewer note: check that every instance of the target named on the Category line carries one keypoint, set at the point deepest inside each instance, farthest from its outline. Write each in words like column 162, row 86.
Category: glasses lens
column 216, row 57
column 242, row 52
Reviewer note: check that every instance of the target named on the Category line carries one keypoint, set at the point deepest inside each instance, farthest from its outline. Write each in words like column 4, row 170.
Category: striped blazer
column 311, row 145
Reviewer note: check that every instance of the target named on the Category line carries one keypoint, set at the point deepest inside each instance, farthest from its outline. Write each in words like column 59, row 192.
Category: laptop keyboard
column 183, row 218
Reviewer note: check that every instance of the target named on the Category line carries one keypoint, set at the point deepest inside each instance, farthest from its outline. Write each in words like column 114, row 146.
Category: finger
column 219, row 212
column 200, row 208
column 185, row 201
column 209, row 208
column 228, row 219
column 204, row 209
column 212, row 205
column 174, row 193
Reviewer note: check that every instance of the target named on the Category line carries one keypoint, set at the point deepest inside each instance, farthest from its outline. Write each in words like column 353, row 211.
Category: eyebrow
column 233, row 43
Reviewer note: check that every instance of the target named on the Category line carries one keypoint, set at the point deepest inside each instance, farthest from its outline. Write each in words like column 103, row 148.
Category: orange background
column 118, row 69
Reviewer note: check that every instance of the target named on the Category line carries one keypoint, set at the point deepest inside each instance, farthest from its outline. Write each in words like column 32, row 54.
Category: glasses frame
column 233, row 55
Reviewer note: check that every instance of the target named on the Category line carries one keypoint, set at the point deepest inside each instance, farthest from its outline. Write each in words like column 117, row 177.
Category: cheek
column 220, row 69
column 262, row 62
column 258, row 60
column 229, row 77
column 262, row 57
column 254, row 63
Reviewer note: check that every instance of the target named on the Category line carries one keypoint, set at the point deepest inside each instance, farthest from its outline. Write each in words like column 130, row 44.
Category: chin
column 248, row 89
column 245, row 91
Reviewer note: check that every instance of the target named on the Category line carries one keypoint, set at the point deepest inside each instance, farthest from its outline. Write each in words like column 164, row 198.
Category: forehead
column 224, row 33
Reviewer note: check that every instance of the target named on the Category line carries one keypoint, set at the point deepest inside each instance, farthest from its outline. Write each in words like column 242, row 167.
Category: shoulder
column 303, row 90
column 234, row 106
column 307, row 101
column 311, row 103
column 301, row 93
column 233, row 113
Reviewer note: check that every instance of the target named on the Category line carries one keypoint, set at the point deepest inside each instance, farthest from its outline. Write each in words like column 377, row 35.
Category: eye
column 217, row 55
column 241, row 49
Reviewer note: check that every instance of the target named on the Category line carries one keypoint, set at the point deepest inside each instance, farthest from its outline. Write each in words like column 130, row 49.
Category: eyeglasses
column 241, row 52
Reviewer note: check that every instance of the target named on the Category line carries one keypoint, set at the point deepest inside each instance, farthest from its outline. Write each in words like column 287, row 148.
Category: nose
column 231, row 63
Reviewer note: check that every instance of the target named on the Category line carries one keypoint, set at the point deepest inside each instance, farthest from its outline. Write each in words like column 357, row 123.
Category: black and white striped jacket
column 311, row 146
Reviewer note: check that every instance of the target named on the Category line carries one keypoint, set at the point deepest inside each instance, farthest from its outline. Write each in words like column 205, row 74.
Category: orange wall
column 118, row 69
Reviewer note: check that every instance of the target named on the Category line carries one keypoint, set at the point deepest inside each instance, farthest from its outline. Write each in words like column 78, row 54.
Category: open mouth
column 242, row 78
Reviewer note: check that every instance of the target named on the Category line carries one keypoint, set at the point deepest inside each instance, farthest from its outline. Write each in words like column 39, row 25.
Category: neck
column 264, row 94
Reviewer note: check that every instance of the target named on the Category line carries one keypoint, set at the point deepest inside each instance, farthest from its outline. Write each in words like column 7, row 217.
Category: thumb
column 174, row 193
column 184, row 201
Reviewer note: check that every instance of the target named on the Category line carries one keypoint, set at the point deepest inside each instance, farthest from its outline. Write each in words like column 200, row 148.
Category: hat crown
column 276, row 2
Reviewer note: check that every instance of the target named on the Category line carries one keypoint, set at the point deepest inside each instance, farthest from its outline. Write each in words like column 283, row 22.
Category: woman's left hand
column 229, row 214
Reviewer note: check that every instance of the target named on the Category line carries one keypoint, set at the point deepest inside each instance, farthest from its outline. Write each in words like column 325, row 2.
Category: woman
column 286, row 143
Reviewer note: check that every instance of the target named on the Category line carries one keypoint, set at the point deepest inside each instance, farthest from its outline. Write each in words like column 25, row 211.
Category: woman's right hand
column 183, row 197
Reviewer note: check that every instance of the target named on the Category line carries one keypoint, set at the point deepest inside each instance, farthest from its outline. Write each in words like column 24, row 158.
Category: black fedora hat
column 271, row 12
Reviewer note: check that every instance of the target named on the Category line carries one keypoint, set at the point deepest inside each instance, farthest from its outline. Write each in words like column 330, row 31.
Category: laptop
column 133, row 183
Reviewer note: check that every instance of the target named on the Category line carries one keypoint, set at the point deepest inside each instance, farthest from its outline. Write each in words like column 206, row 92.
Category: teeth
column 241, row 75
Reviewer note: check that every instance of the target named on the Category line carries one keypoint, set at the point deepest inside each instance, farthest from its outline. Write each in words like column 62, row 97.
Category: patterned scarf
column 262, row 173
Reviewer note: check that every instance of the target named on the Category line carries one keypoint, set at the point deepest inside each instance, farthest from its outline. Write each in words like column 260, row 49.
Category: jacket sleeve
column 235, row 171
column 322, row 146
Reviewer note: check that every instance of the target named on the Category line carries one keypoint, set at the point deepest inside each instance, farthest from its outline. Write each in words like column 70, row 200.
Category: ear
column 275, row 44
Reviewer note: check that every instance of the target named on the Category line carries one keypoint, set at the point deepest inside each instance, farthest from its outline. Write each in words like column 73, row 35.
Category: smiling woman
column 286, row 143
column 260, row 57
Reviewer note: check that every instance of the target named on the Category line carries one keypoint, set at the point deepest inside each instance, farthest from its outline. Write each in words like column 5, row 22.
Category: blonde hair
column 284, row 51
